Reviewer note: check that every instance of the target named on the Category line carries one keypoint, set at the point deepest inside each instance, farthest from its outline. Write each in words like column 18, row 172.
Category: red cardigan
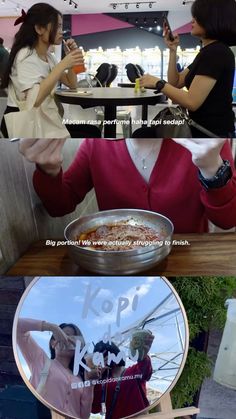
column 173, row 189
column 131, row 398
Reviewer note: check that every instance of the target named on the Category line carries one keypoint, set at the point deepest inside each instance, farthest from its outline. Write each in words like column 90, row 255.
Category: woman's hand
column 46, row 153
column 73, row 58
column 205, row 153
column 148, row 81
column 141, row 341
column 96, row 370
column 172, row 45
column 60, row 337
column 69, row 45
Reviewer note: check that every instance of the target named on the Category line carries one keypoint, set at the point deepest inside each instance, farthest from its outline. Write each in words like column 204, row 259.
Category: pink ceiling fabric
column 184, row 29
column 8, row 30
column 91, row 23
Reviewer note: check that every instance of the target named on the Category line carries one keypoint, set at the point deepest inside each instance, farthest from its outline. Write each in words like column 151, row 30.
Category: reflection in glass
column 98, row 346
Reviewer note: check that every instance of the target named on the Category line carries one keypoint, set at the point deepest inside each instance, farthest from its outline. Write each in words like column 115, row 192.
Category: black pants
column 83, row 131
column 76, row 131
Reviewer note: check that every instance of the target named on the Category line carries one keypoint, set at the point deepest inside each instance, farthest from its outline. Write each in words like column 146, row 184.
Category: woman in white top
column 33, row 71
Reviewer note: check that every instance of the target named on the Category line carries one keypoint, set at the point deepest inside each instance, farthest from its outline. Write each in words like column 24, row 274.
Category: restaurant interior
column 114, row 35
column 28, row 234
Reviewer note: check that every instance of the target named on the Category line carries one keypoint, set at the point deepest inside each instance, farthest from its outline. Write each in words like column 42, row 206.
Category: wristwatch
column 222, row 176
column 160, row 84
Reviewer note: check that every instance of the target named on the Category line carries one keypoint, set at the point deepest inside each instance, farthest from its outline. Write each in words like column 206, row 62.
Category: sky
column 118, row 303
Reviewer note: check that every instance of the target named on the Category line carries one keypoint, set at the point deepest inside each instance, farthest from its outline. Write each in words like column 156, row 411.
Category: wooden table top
column 207, row 254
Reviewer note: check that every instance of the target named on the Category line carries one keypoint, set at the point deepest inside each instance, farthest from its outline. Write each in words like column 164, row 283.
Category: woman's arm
column 60, row 192
column 25, row 326
column 208, row 155
column 142, row 369
column 175, row 78
column 211, row 64
column 199, row 89
column 141, row 342
column 58, row 73
column 31, row 351
column 70, row 78
column 46, row 153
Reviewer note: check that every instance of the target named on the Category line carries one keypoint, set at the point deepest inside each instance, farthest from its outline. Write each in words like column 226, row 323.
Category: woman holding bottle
column 33, row 72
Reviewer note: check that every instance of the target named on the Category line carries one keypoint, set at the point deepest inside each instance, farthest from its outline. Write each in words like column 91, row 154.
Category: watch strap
column 160, row 84
column 220, row 179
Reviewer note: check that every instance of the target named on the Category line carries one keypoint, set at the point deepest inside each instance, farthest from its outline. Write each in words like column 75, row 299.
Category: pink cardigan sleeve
column 32, row 352
column 86, row 401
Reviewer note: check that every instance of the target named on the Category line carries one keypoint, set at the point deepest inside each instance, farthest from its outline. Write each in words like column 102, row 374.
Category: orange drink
column 80, row 68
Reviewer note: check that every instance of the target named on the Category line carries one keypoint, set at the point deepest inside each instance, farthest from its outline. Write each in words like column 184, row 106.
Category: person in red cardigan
column 121, row 390
column 190, row 181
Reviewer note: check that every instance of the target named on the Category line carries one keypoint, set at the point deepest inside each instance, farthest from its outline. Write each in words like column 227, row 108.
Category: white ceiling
column 8, row 7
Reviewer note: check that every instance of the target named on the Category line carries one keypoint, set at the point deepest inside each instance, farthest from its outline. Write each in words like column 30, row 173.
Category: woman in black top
column 209, row 78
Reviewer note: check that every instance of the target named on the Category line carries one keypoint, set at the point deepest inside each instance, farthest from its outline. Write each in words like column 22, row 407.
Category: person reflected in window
column 52, row 377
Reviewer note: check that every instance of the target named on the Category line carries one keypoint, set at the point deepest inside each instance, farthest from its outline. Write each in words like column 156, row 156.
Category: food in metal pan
column 119, row 236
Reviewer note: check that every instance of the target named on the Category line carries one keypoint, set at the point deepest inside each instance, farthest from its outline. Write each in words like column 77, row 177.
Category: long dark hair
column 39, row 14
column 77, row 332
column 104, row 348
column 218, row 18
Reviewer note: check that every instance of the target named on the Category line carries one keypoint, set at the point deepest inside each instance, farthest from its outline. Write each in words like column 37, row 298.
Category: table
column 208, row 254
column 110, row 98
column 126, row 85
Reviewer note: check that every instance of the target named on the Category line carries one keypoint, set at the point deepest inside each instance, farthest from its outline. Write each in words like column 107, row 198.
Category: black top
column 215, row 60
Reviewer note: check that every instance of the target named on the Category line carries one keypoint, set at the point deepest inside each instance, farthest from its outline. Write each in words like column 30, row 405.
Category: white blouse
column 28, row 69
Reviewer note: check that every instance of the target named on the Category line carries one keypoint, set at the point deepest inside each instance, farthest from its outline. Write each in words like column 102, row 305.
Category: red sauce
column 119, row 237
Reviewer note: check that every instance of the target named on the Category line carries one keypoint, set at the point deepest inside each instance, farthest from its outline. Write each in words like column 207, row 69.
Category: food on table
column 119, row 236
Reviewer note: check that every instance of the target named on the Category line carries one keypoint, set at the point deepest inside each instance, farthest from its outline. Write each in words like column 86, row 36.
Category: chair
column 113, row 74
column 121, row 115
column 141, row 70
column 105, row 75
column 134, row 71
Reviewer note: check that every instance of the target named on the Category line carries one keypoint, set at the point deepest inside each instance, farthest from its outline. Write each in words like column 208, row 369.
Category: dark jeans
column 76, row 131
